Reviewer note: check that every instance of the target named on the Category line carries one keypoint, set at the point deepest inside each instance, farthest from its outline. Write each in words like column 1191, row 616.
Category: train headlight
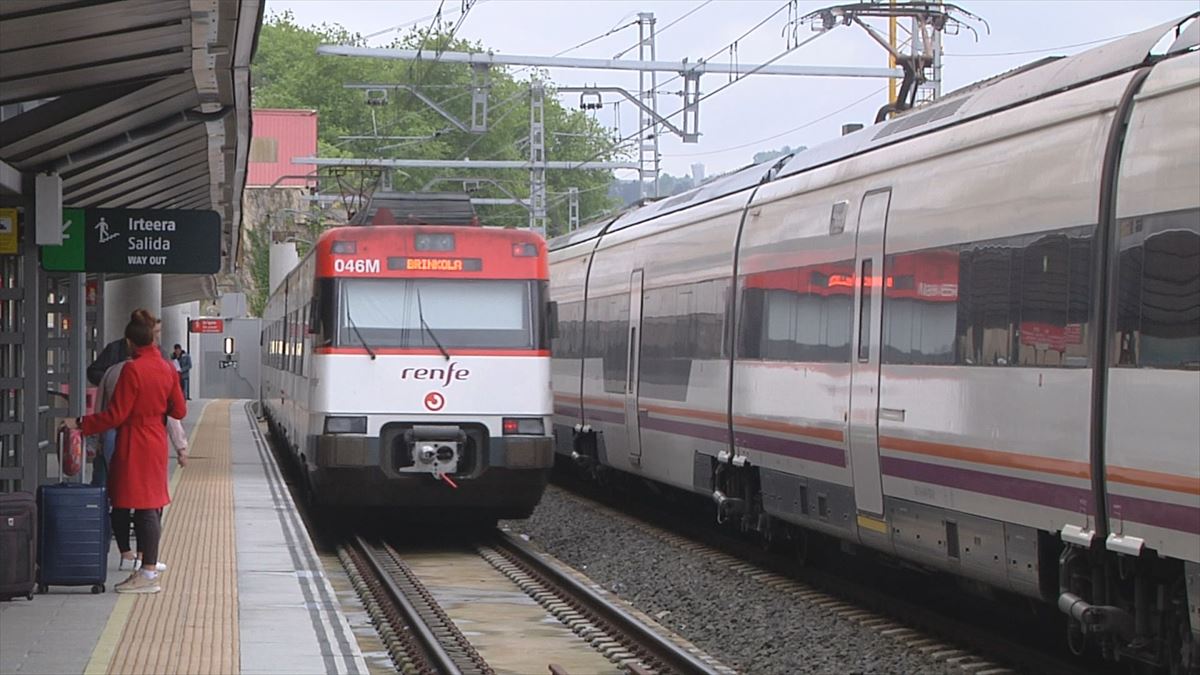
column 524, row 426
column 335, row 424
column 434, row 242
column 524, row 250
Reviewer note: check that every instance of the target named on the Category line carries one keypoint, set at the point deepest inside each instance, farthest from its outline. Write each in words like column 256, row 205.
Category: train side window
column 1043, row 336
column 1158, row 303
column 864, row 311
column 984, row 305
column 608, row 338
column 799, row 314
column 920, row 309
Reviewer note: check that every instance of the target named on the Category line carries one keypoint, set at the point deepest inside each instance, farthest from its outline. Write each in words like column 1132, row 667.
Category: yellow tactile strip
column 192, row 625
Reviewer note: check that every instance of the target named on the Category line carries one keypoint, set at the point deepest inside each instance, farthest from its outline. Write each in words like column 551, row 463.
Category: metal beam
column 10, row 179
column 437, row 107
column 460, row 164
column 614, row 64
column 658, row 119
column 499, row 201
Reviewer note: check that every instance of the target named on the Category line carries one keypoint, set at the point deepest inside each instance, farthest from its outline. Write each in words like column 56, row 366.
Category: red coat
column 147, row 389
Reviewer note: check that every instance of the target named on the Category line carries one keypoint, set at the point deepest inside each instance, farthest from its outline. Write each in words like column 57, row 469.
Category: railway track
column 962, row 645
column 482, row 609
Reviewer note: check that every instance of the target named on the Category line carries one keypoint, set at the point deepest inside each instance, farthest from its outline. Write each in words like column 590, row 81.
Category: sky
column 759, row 112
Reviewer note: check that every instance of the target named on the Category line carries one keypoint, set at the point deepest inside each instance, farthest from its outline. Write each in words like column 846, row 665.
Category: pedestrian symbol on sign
column 105, row 235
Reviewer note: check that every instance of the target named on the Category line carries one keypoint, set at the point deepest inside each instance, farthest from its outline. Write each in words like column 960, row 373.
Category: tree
column 288, row 73
column 764, row 155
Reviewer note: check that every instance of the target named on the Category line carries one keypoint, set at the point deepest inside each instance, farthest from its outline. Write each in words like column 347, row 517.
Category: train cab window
column 479, row 314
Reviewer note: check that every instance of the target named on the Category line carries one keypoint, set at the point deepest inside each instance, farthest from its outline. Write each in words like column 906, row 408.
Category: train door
column 864, row 377
column 633, row 421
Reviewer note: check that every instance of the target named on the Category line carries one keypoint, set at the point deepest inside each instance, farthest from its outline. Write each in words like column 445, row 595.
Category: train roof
column 419, row 208
column 725, row 185
column 1035, row 80
column 1039, row 79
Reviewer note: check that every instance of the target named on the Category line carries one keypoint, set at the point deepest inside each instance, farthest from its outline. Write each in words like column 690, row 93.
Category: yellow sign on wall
column 8, row 231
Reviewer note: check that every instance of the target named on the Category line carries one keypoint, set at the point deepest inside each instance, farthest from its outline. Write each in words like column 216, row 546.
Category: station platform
column 245, row 590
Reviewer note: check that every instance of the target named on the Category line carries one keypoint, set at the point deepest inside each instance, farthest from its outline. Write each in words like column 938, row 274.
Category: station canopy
column 135, row 104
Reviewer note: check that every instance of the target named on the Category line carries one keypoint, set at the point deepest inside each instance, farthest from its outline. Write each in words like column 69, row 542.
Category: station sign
column 207, row 326
column 137, row 241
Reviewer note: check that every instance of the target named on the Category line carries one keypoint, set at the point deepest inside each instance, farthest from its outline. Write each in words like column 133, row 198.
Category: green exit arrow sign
column 70, row 256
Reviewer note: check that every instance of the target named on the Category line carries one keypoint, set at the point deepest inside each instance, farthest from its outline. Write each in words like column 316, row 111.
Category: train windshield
column 479, row 314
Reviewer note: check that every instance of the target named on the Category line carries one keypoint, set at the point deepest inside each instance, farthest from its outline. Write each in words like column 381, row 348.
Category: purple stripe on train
column 798, row 449
column 1021, row 489
column 778, row 446
column 1160, row 514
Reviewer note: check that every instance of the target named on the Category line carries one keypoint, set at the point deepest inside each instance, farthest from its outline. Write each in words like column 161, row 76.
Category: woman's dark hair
column 140, row 329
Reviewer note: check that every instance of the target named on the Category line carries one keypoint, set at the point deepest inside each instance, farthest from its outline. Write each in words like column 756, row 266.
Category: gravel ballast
column 741, row 621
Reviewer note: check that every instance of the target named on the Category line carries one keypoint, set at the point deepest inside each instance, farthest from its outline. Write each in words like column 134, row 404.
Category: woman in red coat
column 146, row 392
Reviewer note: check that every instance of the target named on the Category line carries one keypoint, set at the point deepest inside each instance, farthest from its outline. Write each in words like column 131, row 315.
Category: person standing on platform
column 122, row 518
column 115, row 352
column 146, row 391
column 184, row 361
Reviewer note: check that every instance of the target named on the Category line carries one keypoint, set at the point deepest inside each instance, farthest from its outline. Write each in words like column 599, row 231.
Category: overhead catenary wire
column 705, row 97
column 1042, row 50
column 810, row 123
column 418, row 21
column 732, row 44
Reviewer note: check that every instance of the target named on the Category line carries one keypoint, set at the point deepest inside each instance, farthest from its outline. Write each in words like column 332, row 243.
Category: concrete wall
column 209, row 380
column 175, row 331
column 122, row 296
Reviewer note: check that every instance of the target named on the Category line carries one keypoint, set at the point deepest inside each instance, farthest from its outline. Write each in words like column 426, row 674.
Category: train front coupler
column 435, row 450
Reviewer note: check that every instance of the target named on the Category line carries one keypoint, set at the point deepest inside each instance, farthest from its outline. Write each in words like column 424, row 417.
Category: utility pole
column 572, row 208
column 537, row 157
column 648, row 119
column 892, row 54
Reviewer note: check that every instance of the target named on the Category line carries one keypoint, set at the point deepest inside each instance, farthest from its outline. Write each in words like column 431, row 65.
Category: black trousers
column 147, row 525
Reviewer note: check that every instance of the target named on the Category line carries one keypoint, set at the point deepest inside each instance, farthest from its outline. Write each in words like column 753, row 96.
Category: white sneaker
column 139, row 583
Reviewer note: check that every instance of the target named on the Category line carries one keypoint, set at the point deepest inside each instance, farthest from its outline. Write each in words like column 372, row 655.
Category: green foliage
column 288, row 73
column 259, row 249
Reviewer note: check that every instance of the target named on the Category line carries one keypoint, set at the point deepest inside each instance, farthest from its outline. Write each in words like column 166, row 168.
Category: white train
column 968, row 337
column 408, row 370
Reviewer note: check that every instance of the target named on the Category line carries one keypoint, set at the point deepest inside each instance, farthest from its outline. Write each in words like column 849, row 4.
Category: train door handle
column 892, row 414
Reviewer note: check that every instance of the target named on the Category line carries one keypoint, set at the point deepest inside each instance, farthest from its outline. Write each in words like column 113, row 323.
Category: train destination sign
column 207, row 326
column 133, row 241
column 436, row 264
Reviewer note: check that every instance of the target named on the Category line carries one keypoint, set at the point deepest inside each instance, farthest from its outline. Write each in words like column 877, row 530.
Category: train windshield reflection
column 463, row 313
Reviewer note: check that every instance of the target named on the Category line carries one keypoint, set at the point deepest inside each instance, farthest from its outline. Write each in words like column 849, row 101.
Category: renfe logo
column 451, row 373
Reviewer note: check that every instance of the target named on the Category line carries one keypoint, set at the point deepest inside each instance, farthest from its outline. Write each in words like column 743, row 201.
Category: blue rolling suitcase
column 73, row 536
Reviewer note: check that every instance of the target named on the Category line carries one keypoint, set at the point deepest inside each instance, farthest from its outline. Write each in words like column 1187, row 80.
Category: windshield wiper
column 421, row 316
column 358, row 334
